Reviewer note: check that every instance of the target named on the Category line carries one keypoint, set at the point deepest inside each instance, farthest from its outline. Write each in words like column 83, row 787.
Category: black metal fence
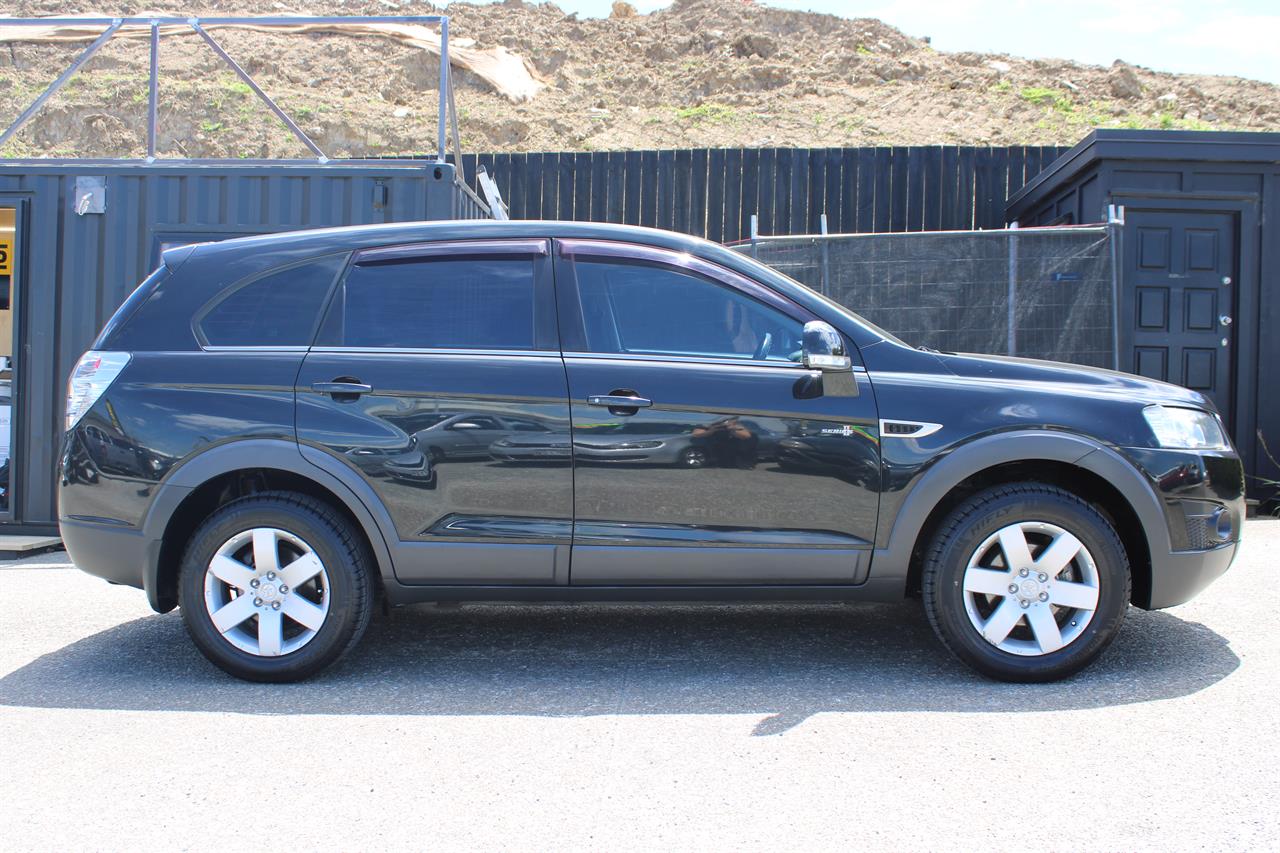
column 714, row 192
column 1035, row 292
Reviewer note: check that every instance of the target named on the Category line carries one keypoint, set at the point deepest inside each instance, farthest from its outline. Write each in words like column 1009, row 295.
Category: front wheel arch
column 1079, row 464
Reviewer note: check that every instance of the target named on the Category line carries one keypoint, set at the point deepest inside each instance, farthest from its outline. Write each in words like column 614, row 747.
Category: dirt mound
column 701, row 73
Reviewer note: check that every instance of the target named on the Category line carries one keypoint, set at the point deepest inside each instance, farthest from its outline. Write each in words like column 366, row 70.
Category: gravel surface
column 624, row 726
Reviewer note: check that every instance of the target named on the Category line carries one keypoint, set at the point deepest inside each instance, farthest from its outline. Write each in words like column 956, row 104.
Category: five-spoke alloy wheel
column 275, row 587
column 1026, row 582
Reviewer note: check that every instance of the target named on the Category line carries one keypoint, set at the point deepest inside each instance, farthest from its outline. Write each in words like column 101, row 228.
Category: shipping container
column 77, row 236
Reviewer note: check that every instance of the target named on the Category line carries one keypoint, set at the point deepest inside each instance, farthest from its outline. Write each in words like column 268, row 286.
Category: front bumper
column 1202, row 496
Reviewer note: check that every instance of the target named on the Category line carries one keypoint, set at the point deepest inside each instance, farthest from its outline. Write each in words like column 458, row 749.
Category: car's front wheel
column 275, row 587
column 1026, row 582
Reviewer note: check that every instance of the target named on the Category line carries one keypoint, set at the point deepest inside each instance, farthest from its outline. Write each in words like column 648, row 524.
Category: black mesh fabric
column 952, row 290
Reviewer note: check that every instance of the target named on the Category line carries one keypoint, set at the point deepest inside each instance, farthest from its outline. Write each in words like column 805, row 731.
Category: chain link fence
column 1036, row 292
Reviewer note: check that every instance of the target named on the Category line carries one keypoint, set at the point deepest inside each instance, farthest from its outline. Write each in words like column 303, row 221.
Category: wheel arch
column 1075, row 463
column 205, row 482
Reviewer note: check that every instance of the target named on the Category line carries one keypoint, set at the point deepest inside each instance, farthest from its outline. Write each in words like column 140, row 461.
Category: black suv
column 276, row 432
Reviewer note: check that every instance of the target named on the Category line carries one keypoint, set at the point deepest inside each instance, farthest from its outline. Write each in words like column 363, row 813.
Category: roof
column 1147, row 145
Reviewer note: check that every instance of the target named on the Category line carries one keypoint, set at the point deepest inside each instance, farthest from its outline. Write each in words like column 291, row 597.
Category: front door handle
column 340, row 389
column 619, row 401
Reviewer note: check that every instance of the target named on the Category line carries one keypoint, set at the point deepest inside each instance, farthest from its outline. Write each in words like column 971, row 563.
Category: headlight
column 1185, row 429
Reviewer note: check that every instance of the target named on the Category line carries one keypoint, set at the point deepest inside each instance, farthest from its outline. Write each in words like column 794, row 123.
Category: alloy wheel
column 1031, row 588
column 266, row 592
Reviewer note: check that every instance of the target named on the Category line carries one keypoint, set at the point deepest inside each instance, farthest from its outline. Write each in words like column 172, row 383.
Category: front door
column 428, row 357
column 704, row 452
column 1180, row 311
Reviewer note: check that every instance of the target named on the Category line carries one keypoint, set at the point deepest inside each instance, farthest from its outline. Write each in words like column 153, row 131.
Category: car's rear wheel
column 275, row 587
column 1026, row 582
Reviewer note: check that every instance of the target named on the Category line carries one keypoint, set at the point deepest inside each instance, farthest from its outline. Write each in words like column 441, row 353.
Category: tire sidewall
column 952, row 558
column 342, row 620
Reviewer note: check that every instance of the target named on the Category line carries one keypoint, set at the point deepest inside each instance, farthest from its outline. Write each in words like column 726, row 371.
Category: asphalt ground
column 607, row 727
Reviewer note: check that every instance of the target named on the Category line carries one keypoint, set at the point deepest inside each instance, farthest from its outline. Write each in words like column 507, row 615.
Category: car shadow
column 785, row 661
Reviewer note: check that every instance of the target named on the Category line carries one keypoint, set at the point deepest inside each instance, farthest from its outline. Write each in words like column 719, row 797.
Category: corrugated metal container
column 75, row 265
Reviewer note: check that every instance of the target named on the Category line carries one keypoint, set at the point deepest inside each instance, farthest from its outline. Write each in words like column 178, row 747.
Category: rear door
column 427, row 355
column 696, row 429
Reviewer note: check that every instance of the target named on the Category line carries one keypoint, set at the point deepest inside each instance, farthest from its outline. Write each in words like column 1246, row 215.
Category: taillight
column 93, row 375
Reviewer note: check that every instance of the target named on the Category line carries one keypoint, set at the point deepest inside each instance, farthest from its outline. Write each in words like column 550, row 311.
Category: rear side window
column 279, row 309
column 441, row 302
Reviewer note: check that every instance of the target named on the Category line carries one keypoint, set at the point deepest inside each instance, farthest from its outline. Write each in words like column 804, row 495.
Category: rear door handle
column 618, row 401
column 341, row 388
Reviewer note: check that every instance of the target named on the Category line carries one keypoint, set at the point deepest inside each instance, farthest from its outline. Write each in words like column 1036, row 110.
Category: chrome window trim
column 680, row 361
column 486, row 353
column 705, row 360
column 213, row 348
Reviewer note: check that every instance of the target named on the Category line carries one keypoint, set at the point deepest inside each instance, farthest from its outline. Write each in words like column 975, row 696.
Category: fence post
column 1013, row 288
column 826, row 257
column 1115, row 231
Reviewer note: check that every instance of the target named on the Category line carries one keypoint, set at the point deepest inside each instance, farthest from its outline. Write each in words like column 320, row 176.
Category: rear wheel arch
column 230, row 472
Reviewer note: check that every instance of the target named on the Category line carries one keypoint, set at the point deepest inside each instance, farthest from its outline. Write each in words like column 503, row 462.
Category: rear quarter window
column 276, row 309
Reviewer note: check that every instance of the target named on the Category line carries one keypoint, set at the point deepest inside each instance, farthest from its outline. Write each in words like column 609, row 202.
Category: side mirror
column 824, row 348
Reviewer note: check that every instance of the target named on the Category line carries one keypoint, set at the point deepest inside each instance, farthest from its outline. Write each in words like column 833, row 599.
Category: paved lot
column 607, row 727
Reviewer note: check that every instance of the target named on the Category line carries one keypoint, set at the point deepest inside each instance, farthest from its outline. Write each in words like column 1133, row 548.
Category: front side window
column 436, row 303
column 638, row 307
column 279, row 309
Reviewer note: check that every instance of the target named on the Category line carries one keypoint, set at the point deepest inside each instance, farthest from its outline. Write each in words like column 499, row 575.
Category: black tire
column 965, row 530
column 344, row 557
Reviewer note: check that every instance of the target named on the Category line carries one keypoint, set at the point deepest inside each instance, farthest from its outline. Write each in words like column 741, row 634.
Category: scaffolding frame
column 447, row 118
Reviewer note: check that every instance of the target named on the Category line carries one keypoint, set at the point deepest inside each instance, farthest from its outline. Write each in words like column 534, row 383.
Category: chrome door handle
column 1225, row 319
column 618, row 401
column 341, row 388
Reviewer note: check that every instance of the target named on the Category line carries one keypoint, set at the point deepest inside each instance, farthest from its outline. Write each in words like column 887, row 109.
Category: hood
column 1072, row 378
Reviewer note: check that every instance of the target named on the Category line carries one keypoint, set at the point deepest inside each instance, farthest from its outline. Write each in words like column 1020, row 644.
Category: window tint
column 440, row 303
column 277, row 310
column 634, row 307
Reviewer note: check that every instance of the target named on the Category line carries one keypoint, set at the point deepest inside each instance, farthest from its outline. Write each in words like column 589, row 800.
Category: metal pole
column 444, row 83
column 1115, row 231
column 755, row 233
column 249, row 81
column 153, row 90
column 826, row 257
column 457, row 139
column 60, row 82
column 1013, row 289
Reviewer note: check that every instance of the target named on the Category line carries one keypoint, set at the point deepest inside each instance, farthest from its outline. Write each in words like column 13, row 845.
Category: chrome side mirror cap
column 824, row 348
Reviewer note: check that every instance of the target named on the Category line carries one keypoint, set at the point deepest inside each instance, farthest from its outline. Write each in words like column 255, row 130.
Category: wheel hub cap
column 266, row 592
column 1031, row 588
